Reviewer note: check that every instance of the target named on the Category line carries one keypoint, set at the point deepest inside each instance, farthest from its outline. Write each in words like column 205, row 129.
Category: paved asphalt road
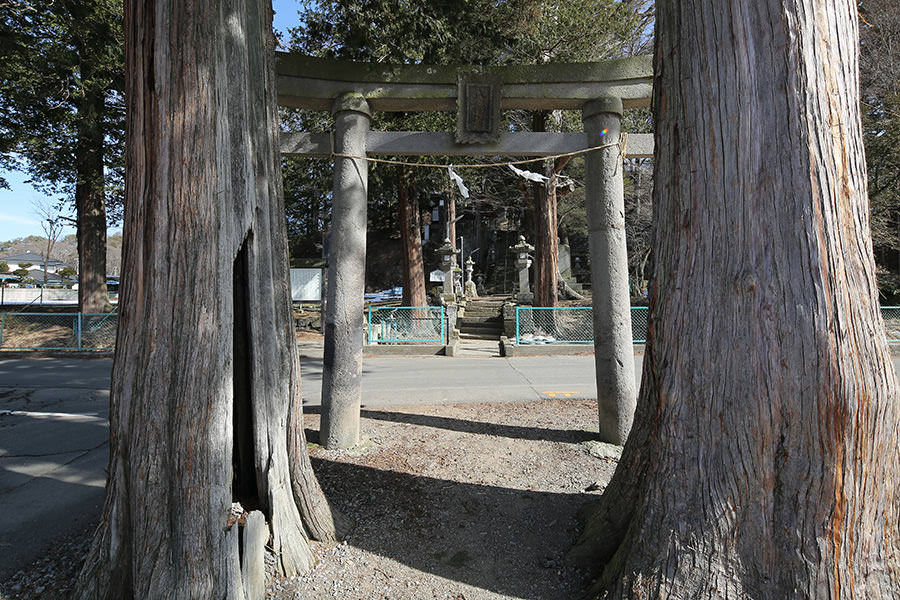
column 54, row 426
column 399, row 381
column 53, row 452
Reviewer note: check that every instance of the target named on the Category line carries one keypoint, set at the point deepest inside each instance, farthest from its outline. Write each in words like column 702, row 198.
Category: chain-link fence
column 386, row 325
column 569, row 325
column 640, row 322
column 406, row 325
column 561, row 325
column 573, row 325
column 891, row 316
column 58, row 331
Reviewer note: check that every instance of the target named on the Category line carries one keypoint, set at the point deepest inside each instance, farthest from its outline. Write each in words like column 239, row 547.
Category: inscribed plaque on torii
column 478, row 107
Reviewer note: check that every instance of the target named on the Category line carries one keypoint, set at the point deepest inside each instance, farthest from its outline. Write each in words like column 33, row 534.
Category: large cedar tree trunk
column 90, row 207
column 764, row 460
column 410, row 242
column 546, row 243
column 205, row 385
column 546, row 238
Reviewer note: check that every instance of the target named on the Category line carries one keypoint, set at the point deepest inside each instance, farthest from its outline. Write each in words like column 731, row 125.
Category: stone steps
column 482, row 320
column 479, row 336
column 488, row 329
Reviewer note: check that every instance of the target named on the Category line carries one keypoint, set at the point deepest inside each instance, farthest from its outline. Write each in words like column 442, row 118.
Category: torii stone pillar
column 605, row 200
column 342, row 365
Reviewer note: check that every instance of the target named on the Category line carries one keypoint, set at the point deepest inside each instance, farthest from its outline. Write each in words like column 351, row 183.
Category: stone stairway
column 583, row 288
column 482, row 320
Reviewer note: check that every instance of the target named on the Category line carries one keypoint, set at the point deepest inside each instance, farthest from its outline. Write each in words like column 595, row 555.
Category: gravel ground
column 51, row 576
column 457, row 502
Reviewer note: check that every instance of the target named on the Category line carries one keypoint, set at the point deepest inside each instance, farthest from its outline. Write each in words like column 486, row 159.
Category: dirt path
column 458, row 502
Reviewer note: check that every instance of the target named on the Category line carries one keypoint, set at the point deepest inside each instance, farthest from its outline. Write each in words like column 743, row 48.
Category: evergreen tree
column 764, row 456
column 61, row 111
column 879, row 64
column 463, row 32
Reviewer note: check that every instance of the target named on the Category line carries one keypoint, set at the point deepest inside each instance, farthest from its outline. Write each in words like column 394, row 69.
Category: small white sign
column 436, row 275
column 306, row 285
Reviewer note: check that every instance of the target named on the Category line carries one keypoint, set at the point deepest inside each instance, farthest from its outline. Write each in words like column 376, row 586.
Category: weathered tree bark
column 206, row 365
column 90, row 203
column 322, row 522
column 411, row 242
column 546, row 243
column 764, row 458
column 546, row 238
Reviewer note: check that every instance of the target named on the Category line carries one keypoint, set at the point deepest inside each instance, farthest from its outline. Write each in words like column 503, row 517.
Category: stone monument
column 521, row 251
column 447, row 252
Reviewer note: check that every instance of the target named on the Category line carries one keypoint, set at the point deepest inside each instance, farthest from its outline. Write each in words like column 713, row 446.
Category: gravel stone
column 450, row 502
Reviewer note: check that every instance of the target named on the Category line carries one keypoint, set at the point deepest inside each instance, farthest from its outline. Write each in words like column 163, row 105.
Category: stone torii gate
column 352, row 91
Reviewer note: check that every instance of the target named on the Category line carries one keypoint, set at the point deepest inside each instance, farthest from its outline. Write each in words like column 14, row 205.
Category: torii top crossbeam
column 314, row 83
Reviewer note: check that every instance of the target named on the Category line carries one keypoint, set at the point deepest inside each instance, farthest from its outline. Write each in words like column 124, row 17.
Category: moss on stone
column 295, row 65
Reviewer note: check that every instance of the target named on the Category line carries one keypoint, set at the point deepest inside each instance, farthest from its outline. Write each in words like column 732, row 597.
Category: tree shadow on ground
column 504, row 540
column 51, row 480
column 567, row 436
column 572, row 436
column 21, row 372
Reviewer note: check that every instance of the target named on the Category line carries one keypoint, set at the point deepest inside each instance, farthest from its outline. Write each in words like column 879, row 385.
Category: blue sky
column 286, row 14
column 17, row 218
column 17, row 214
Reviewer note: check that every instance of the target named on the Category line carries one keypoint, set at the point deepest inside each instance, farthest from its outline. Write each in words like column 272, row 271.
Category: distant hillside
column 65, row 249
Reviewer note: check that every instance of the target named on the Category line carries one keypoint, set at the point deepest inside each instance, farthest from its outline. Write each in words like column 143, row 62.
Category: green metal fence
column 407, row 325
column 574, row 325
column 386, row 325
column 891, row 316
column 568, row 324
column 58, row 331
column 560, row 325
column 640, row 322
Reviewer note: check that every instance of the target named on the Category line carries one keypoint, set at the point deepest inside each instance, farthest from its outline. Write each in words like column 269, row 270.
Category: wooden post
column 605, row 202
column 342, row 365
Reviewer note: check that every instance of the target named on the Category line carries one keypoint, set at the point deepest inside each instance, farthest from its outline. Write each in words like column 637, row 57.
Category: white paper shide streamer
column 463, row 190
column 529, row 175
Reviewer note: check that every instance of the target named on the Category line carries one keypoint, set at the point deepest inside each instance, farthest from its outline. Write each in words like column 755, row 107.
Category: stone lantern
column 446, row 251
column 471, row 291
column 521, row 251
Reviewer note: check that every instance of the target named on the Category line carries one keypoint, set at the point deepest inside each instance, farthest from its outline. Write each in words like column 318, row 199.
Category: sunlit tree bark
column 205, row 384
column 764, row 458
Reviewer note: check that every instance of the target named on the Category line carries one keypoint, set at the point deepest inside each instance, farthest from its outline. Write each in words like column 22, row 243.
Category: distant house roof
column 31, row 257
column 38, row 276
